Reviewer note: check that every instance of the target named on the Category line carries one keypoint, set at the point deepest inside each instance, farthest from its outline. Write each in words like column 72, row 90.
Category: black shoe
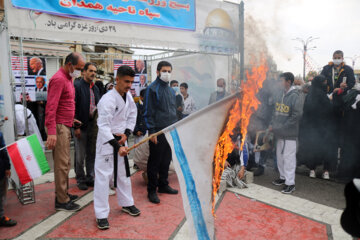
column 259, row 171
column 82, row 186
column 73, row 197
column 153, row 198
column 278, row 182
column 167, row 189
column 7, row 222
column 90, row 183
column 70, row 206
column 288, row 189
column 102, row 223
column 132, row 210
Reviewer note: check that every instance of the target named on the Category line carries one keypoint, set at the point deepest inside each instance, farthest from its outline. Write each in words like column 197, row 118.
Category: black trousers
column 158, row 164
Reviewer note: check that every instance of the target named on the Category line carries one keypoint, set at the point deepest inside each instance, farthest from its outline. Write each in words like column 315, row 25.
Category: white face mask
column 220, row 89
column 165, row 76
column 337, row 61
column 176, row 89
column 75, row 74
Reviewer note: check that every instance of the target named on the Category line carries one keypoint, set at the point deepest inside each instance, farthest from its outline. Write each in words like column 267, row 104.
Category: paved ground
column 259, row 212
column 255, row 213
column 317, row 190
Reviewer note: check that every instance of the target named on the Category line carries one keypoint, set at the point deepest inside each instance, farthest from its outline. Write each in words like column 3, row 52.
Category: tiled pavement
column 254, row 213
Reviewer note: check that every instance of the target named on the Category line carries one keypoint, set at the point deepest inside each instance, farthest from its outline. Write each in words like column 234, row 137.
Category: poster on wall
column 34, row 75
column 140, row 68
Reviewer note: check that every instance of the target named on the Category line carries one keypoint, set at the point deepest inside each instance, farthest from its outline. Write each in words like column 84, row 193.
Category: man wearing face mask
column 160, row 112
column 220, row 92
column 340, row 77
column 59, row 118
column 179, row 100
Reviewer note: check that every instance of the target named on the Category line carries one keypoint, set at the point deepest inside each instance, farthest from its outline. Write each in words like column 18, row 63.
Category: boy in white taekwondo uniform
column 117, row 117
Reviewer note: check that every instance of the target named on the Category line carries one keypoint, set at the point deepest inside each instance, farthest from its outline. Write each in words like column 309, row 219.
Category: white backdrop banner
column 200, row 72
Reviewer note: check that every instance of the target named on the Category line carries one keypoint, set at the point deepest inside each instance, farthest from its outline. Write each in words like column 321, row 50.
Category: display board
column 140, row 68
column 34, row 75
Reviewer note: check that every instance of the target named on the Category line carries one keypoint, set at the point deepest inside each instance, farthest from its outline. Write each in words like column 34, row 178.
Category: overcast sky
column 336, row 23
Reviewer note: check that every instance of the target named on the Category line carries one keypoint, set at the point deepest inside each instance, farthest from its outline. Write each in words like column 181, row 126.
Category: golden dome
column 218, row 18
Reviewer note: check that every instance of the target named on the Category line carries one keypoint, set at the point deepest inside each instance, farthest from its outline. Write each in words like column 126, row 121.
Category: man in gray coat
column 285, row 126
column 220, row 92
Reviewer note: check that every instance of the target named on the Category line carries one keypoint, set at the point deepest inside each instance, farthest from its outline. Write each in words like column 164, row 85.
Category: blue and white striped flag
column 192, row 141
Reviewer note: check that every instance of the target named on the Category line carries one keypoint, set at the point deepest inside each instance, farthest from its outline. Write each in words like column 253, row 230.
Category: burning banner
column 193, row 141
column 239, row 116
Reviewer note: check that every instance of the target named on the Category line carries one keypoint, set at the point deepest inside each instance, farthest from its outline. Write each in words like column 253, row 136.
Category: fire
column 249, row 101
column 239, row 115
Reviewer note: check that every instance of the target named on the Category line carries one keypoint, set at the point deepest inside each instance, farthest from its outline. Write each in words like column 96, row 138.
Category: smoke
column 267, row 35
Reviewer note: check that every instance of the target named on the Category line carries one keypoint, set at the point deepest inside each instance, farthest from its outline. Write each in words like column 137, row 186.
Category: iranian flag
column 28, row 158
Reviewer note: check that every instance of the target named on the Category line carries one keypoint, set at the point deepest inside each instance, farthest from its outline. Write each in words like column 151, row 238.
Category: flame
column 239, row 115
column 250, row 103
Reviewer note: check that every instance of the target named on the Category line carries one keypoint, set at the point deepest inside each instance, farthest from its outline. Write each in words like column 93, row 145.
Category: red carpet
column 242, row 218
column 31, row 214
column 155, row 222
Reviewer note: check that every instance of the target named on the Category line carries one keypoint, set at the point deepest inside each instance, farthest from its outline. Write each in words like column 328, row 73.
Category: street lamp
column 305, row 48
column 353, row 60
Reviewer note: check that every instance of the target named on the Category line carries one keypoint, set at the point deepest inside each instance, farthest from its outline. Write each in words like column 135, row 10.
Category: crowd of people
column 311, row 124
column 314, row 124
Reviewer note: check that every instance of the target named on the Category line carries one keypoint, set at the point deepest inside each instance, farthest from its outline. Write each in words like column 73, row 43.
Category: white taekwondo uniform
column 114, row 117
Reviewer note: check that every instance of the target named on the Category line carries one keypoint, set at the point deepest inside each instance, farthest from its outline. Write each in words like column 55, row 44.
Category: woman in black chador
column 317, row 137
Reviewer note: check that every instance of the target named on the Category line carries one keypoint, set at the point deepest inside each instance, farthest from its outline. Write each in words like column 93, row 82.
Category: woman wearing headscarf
column 317, row 139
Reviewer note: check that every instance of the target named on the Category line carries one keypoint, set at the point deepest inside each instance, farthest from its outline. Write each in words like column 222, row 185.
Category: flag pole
column 145, row 140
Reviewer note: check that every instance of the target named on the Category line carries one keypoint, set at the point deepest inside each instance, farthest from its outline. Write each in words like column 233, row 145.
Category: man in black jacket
column 4, row 175
column 87, row 96
column 140, row 127
column 340, row 77
column 160, row 112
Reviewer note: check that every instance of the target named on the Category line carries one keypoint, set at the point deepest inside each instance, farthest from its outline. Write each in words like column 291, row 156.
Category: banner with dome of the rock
column 190, row 25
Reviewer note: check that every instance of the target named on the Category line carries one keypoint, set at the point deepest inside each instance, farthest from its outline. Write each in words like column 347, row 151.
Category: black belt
column 127, row 167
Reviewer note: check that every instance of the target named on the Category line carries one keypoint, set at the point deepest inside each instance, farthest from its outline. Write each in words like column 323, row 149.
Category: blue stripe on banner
column 191, row 192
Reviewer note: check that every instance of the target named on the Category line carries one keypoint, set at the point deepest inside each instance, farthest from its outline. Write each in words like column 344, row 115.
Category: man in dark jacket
column 160, row 112
column 340, row 77
column 87, row 96
column 4, row 176
column 285, row 126
column 179, row 99
column 140, row 127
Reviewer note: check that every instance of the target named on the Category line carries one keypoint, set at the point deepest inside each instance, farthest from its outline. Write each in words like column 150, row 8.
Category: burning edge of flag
column 239, row 116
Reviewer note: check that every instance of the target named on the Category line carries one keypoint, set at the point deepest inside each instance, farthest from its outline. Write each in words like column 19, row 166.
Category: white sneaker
column 111, row 192
column 312, row 174
column 326, row 175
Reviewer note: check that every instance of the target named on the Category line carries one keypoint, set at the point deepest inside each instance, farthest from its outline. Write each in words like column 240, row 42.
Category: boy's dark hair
column 125, row 71
column 338, row 52
column 288, row 77
column 86, row 67
column 163, row 64
column 173, row 81
column 72, row 58
column 142, row 92
column 184, row 85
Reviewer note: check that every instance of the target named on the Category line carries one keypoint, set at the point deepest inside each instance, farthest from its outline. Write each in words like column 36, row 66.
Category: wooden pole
column 145, row 140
